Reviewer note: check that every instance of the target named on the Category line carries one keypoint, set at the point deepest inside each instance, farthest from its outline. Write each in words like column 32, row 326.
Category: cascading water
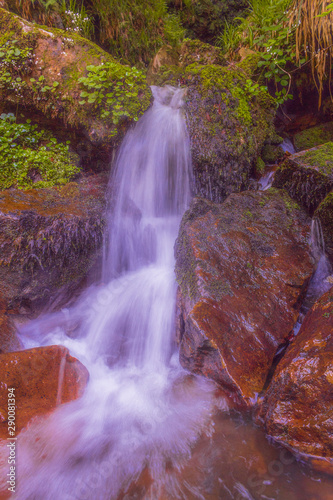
column 320, row 282
column 140, row 409
column 144, row 428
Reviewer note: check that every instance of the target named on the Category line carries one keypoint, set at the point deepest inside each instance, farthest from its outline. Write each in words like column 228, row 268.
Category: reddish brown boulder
column 43, row 378
column 297, row 410
column 241, row 268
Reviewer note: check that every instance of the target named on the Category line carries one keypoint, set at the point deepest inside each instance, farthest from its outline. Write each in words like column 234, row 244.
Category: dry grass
column 314, row 38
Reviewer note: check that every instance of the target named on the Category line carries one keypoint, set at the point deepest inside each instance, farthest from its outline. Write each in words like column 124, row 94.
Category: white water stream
column 142, row 417
column 141, row 410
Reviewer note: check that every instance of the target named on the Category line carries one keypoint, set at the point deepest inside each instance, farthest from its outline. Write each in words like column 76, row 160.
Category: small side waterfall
column 141, row 410
column 287, row 146
column 319, row 283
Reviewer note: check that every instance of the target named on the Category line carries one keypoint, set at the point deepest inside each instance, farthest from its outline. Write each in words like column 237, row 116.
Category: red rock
column 241, row 267
column 297, row 410
column 43, row 378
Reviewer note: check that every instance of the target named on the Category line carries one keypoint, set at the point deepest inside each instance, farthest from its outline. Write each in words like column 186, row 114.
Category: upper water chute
column 151, row 185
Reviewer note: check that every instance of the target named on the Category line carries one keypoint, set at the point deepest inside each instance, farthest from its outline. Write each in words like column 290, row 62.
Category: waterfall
column 319, row 284
column 141, row 410
column 287, row 146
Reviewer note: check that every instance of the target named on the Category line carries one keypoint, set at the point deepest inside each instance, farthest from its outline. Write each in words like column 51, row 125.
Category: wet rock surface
column 49, row 239
column 227, row 128
column 8, row 339
column 43, row 378
column 241, row 268
column 307, row 176
column 324, row 214
column 297, row 410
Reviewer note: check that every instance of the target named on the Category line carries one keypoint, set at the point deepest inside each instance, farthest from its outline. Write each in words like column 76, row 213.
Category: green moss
column 218, row 289
column 325, row 214
column 197, row 52
column 64, row 102
column 170, row 75
column 271, row 154
column 232, row 84
column 259, row 167
column 274, row 138
column 249, row 63
column 31, row 157
column 320, row 158
column 314, row 136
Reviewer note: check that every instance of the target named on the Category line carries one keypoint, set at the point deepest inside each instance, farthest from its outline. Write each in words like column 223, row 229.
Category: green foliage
column 173, row 30
column 230, row 38
column 112, row 91
column 27, row 153
column 266, row 29
column 327, row 12
column 15, row 62
column 76, row 18
column 204, row 19
column 39, row 87
column 134, row 30
column 49, row 4
column 232, row 85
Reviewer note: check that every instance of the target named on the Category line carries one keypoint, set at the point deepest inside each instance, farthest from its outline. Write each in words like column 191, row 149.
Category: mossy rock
column 228, row 124
column 314, row 136
column 249, row 60
column 259, row 167
column 195, row 51
column 169, row 63
column 271, row 154
column 325, row 214
column 228, row 127
column 49, row 240
column 50, row 81
column 307, row 176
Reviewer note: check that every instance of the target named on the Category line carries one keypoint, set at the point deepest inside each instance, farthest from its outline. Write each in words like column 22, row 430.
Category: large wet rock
column 241, row 268
column 43, row 378
column 49, row 240
column 324, row 214
column 307, row 176
column 297, row 410
column 43, row 80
